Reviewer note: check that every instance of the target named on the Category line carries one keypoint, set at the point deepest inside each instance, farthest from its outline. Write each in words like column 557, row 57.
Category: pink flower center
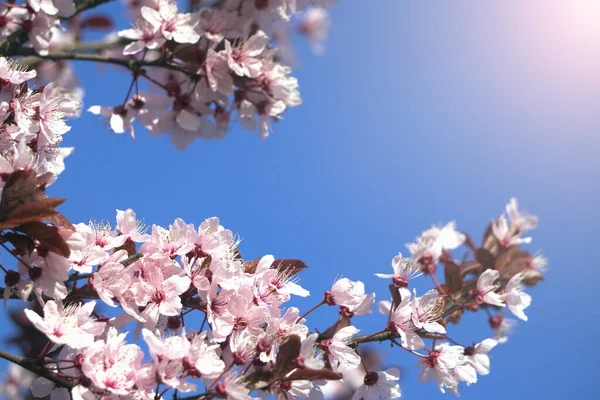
column 432, row 359
column 240, row 324
column 400, row 281
column 158, row 297
column 371, row 378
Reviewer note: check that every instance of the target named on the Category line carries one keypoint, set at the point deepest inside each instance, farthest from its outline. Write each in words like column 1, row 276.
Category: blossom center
column 371, row 378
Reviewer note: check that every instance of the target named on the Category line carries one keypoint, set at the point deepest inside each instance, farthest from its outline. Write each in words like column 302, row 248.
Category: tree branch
column 130, row 64
column 37, row 367
column 11, row 45
column 388, row 335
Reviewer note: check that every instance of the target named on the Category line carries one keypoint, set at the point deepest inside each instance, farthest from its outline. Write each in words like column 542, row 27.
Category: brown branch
column 11, row 45
column 131, row 64
column 37, row 367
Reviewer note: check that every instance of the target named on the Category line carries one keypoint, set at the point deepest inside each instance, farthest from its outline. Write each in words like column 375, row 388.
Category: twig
column 36, row 366
column 195, row 396
column 11, row 45
column 131, row 64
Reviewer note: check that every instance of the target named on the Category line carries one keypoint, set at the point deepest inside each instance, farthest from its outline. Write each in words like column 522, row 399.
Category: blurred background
column 419, row 112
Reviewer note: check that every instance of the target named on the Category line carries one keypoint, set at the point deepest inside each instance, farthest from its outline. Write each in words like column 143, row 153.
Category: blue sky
column 419, row 112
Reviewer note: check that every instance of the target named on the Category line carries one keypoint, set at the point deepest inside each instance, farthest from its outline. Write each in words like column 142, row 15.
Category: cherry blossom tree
column 194, row 70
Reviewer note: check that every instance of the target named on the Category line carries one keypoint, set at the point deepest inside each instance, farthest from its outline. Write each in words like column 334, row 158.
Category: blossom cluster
column 208, row 68
column 187, row 313
column 250, row 343
column 32, row 123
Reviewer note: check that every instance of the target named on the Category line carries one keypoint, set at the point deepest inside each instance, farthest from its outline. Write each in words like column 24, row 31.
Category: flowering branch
column 11, row 45
column 37, row 367
column 209, row 67
column 131, row 64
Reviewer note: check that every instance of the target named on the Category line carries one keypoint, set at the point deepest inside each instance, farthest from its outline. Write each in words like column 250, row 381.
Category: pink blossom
column 340, row 355
column 62, row 8
column 275, row 286
column 520, row 221
column 439, row 366
column 486, row 288
column 172, row 25
column 72, row 325
column 427, row 311
column 404, row 270
column 13, row 73
column 401, row 321
column 112, row 281
column 308, row 352
column 129, row 226
column 143, row 35
column 15, row 381
column 242, row 59
column 246, row 314
column 217, row 72
column 315, row 25
column 42, row 387
column 477, row 356
column 429, row 246
column 203, row 356
column 379, row 385
column 347, row 293
column 230, row 388
column 111, row 364
column 120, row 118
column 160, row 296
column 514, row 297
column 168, row 355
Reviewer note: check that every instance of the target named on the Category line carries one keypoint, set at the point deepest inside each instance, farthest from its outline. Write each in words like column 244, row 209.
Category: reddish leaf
column 287, row 354
column 250, row 266
column 454, row 280
column 396, row 298
column 61, row 221
column 341, row 323
column 511, row 262
column 128, row 246
column 48, row 236
column 289, row 266
column 31, row 211
column 98, row 21
column 20, row 188
column 485, row 258
column 469, row 267
column 19, row 242
column 309, row 374
column 489, row 241
column 531, row 277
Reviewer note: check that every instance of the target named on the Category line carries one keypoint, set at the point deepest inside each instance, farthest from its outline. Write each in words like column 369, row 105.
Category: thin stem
column 456, row 307
column 450, row 339
column 389, row 335
column 437, row 285
column 196, row 396
column 136, row 74
column 160, row 396
column 131, row 259
column 13, row 254
column 222, row 374
column 203, row 322
column 309, row 311
column 407, row 349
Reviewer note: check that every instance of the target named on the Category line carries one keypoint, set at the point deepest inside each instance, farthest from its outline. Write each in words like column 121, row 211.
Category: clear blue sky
column 419, row 112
